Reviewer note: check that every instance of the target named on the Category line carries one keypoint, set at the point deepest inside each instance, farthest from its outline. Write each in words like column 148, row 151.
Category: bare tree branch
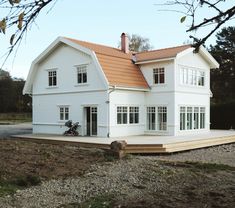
column 21, row 14
column 191, row 9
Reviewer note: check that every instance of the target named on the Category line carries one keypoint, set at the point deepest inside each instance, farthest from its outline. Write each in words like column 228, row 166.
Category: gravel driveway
column 22, row 128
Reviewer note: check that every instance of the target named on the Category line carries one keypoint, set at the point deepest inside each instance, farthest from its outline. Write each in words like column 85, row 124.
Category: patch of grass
column 13, row 118
column 11, row 186
column 199, row 166
column 210, row 167
column 101, row 201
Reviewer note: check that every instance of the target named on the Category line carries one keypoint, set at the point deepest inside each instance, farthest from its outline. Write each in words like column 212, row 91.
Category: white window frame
column 151, row 115
column 194, row 118
column 192, row 76
column 157, row 76
column 159, row 115
column 122, row 113
column 52, row 75
column 161, row 118
column 82, row 70
column 63, row 113
column 134, row 114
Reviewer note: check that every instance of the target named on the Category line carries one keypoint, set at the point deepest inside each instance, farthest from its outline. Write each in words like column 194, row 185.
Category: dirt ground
column 79, row 177
column 48, row 161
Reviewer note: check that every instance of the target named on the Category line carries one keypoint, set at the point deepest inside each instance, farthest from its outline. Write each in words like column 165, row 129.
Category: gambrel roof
column 117, row 65
column 117, row 68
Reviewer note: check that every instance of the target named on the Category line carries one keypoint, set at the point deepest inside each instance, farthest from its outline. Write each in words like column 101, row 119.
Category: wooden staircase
column 178, row 146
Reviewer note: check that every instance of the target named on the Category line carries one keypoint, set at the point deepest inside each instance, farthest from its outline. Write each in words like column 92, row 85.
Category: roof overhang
column 155, row 60
column 115, row 87
column 204, row 53
column 60, row 40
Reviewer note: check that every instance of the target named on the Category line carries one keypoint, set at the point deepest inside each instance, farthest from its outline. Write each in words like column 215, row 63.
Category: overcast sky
column 102, row 22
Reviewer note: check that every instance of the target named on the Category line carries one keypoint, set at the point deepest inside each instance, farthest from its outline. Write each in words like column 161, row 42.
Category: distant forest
column 11, row 98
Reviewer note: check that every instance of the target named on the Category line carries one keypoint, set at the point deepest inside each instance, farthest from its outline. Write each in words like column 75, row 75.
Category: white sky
column 101, row 22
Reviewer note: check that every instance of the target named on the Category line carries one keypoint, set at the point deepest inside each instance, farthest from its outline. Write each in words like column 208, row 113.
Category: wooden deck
column 178, row 146
column 142, row 144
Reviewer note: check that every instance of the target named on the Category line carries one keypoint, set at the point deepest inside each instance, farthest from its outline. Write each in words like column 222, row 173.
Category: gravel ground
column 22, row 128
column 223, row 154
column 141, row 178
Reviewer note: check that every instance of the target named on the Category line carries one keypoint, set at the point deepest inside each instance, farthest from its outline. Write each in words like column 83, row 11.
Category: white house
column 114, row 92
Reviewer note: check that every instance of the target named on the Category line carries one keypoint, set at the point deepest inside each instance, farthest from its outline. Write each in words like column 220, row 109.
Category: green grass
column 13, row 118
column 8, row 187
column 199, row 166
column 210, row 167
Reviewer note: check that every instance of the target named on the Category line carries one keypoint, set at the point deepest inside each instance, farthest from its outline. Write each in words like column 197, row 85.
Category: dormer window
column 159, row 76
column 82, row 74
column 52, row 78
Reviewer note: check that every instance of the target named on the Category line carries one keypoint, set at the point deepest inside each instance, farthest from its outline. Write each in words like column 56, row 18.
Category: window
column 162, row 118
column 196, row 118
column 189, row 118
column 192, row 118
column 159, row 76
column 64, row 113
column 157, row 118
column 202, row 117
column 182, row 118
column 82, row 74
column 133, row 115
column 201, row 78
column 151, row 118
column 52, row 78
column 192, row 77
column 122, row 115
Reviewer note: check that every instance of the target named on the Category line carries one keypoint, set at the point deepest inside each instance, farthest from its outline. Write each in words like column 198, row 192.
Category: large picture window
column 159, row 76
column 192, row 118
column 191, row 76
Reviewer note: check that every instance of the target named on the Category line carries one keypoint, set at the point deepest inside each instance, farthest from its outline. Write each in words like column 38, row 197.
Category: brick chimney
column 124, row 43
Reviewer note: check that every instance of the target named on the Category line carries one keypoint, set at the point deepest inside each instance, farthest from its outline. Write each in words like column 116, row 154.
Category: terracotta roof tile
column 161, row 53
column 118, row 66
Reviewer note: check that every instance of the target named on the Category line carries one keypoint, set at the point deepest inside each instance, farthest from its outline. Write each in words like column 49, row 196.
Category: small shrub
column 27, row 181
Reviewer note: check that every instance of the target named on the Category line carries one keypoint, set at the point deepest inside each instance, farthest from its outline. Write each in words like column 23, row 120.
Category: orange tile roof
column 161, row 53
column 118, row 66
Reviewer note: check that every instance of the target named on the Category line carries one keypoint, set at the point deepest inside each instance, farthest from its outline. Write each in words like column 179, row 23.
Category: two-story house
column 114, row 92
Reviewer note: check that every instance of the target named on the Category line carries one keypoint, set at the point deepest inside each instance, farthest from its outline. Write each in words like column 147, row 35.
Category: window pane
column 189, row 117
column 156, row 78
column 79, row 78
column 124, row 118
column 162, row 78
column 84, row 77
column 131, row 118
column 119, row 118
column 54, row 81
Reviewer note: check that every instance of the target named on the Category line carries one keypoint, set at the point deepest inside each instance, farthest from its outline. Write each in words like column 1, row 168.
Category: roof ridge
column 155, row 50
column 94, row 44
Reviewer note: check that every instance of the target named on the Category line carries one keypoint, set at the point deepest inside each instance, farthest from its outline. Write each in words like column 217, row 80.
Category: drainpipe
column 108, row 102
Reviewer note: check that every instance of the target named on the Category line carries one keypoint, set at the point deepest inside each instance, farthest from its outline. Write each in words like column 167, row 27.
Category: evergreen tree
column 223, row 79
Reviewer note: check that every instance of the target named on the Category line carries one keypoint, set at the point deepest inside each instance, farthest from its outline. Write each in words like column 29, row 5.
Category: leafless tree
column 18, row 16
column 190, row 9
